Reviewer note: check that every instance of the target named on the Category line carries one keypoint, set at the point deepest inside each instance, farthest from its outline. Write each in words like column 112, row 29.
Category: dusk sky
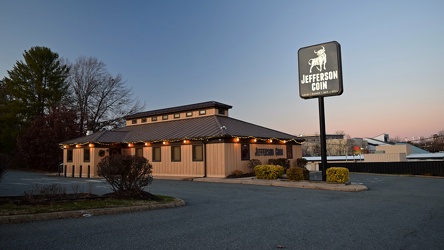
column 245, row 53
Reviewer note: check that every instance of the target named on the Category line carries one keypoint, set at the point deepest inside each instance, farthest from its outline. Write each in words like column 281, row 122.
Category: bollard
column 89, row 171
column 66, row 170
column 80, row 172
column 73, row 170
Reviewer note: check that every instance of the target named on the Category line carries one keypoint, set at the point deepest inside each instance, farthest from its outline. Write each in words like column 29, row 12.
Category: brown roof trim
column 196, row 106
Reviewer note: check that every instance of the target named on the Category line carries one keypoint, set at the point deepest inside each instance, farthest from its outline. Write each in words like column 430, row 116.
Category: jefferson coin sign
column 320, row 71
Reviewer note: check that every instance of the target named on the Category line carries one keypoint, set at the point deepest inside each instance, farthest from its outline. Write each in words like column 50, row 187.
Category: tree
column 38, row 145
column 37, row 85
column 127, row 174
column 100, row 99
column 34, row 87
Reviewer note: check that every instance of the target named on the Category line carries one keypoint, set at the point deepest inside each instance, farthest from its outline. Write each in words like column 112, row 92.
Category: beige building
column 191, row 140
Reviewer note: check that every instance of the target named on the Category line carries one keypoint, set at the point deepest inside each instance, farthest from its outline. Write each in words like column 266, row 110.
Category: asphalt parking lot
column 397, row 212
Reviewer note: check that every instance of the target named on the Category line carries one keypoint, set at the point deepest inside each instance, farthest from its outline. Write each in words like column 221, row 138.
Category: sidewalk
column 353, row 187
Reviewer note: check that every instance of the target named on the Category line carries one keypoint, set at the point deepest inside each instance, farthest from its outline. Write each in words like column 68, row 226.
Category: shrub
column 338, row 175
column 127, row 174
column 237, row 173
column 301, row 162
column 268, row 171
column 281, row 162
column 253, row 163
column 298, row 174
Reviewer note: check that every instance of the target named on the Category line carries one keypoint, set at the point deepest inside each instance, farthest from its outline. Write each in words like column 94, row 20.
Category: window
column 289, row 152
column 69, row 155
column 86, row 155
column 189, row 114
column 176, row 116
column 139, row 151
column 134, row 121
column 245, row 152
column 165, row 117
column 154, row 118
column 221, row 111
column 157, row 154
column 202, row 112
column 175, row 153
column 197, row 152
column 143, row 120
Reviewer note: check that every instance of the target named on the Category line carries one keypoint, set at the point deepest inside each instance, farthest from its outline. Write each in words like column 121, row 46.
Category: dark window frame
column 194, row 153
column 69, row 155
column 155, row 149
column 174, row 157
column 139, row 150
column 289, row 150
column 245, row 152
column 86, row 155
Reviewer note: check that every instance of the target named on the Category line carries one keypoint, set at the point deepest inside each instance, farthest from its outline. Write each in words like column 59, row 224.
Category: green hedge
column 337, row 175
column 268, row 171
column 298, row 174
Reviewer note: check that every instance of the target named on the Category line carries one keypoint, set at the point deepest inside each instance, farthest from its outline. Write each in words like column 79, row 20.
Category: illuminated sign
column 320, row 70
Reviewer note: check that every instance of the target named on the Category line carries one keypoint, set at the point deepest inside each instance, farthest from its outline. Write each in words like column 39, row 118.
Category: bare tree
column 101, row 99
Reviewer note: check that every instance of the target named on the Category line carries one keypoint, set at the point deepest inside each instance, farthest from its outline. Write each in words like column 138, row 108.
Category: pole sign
column 320, row 70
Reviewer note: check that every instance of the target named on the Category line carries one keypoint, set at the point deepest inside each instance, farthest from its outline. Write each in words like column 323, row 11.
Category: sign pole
column 320, row 75
column 323, row 139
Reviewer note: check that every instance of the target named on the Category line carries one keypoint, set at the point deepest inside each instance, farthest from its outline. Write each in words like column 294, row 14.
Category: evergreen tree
column 34, row 87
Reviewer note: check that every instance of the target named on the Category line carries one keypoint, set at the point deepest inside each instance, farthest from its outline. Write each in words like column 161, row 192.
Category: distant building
column 191, row 140
column 378, row 149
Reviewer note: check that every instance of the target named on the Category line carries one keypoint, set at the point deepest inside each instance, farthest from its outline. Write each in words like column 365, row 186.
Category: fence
column 410, row 167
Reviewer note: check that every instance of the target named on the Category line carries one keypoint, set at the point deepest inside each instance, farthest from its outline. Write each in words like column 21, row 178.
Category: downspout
column 205, row 158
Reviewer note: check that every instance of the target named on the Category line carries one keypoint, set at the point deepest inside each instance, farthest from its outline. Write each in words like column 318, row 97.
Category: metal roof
column 199, row 128
column 196, row 106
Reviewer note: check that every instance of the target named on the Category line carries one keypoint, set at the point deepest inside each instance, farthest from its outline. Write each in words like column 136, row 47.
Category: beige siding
column 186, row 167
column 233, row 159
column 395, row 149
column 391, row 157
column 215, row 160
column 297, row 153
column 221, row 159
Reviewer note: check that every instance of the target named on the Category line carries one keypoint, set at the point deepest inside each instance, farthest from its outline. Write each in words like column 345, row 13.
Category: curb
column 284, row 183
column 11, row 219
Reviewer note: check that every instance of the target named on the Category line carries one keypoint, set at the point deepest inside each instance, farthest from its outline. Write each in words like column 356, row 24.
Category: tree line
column 45, row 99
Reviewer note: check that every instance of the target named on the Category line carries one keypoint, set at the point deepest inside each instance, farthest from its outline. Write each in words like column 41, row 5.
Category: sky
column 244, row 53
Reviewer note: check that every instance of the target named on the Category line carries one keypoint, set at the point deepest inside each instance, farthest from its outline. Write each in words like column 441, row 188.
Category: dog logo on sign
column 320, row 61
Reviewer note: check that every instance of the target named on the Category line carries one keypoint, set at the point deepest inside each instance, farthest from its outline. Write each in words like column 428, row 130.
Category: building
column 191, row 140
column 378, row 149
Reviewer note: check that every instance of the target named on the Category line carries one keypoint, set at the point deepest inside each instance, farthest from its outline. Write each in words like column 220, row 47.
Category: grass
column 15, row 209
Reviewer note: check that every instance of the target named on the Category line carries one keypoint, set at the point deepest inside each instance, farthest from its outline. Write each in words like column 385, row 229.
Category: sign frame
column 320, row 70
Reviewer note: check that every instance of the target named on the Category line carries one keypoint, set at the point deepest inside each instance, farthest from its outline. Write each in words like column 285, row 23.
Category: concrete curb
column 10, row 219
column 353, row 187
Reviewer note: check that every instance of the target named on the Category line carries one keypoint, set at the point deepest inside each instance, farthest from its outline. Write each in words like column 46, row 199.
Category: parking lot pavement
column 397, row 212
column 17, row 182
